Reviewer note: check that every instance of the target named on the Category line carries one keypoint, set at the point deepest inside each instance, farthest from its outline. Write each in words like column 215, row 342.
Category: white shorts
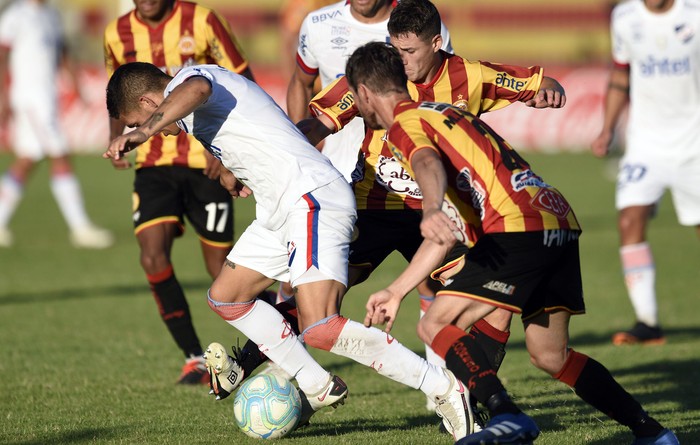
column 37, row 133
column 315, row 237
column 642, row 180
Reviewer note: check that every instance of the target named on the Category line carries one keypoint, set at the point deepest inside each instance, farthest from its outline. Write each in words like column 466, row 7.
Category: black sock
column 175, row 313
column 492, row 341
column 469, row 363
column 593, row 383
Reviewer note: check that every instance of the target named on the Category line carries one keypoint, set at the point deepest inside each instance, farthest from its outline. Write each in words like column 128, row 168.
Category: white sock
column 11, row 192
column 66, row 191
column 383, row 353
column 275, row 338
column 640, row 277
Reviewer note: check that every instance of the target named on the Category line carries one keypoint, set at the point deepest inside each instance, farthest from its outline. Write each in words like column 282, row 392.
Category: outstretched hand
column 547, row 98
column 124, row 144
column 382, row 307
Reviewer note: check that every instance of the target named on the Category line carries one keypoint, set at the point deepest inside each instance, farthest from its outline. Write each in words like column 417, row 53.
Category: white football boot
column 454, row 409
column 333, row 394
column 91, row 237
column 5, row 237
column 224, row 373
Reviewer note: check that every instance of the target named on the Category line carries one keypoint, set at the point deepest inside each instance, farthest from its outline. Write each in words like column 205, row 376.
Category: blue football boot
column 665, row 437
column 515, row 429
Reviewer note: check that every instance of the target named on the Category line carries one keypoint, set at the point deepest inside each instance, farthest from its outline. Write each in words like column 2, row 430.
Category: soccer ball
column 267, row 407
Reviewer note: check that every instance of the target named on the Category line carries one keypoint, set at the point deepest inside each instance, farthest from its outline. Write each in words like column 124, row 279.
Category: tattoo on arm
column 230, row 264
column 155, row 118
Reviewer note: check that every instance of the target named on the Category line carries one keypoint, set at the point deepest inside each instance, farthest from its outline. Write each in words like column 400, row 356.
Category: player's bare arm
column 550, row 95
column 317, row 128
column 182, row 101
column 431, row 178
column 299, row 93
column 616, row 100
column 383, row 306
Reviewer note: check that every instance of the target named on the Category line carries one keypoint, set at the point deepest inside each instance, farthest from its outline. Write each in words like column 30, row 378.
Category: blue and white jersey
column 34, row 34
column 663, row 53
column 243, row 127
column 327, row 38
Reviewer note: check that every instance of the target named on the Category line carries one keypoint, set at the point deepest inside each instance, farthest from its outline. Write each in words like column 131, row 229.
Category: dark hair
column 378, row 66
column 419, row 17
column 129, row 82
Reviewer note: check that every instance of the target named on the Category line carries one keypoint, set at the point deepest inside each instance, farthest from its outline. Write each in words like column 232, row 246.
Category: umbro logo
column 232, row 377
column 339, row 41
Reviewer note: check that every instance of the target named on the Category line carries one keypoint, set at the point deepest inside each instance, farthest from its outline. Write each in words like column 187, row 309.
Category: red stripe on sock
column 323, row 336
column 572, row 368
column 488, row 329
column 445, row 339
column 232, row 311
column 161, row 276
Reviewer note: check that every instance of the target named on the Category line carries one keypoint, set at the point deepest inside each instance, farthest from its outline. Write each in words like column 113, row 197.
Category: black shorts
column 526, row 273
column 380, row 232
column 165, row 195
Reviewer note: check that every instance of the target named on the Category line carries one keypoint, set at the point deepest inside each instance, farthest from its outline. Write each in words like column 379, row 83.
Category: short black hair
column 129, row 82
column 378, row 66
column 419, row 17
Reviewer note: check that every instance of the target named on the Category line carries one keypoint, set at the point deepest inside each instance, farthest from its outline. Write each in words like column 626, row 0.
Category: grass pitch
column 85, row 358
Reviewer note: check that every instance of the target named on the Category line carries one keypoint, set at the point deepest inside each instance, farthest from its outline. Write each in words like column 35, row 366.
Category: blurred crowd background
column 570, row 39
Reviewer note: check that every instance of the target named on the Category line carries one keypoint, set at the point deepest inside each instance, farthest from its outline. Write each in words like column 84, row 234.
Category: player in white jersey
column 31, row 47
column 656, row 68
column 327, row 38
column 305, row 214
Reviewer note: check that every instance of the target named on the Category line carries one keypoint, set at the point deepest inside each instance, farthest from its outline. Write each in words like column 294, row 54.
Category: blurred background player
column 175, row 176
column 32, row 49
column 656, row 60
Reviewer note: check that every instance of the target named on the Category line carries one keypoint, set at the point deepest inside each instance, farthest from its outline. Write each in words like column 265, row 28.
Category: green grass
column 85, row 358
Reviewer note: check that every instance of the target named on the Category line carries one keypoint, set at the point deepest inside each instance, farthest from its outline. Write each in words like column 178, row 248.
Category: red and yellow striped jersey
column 191, row 35
column 473, row 86
column 492, row 188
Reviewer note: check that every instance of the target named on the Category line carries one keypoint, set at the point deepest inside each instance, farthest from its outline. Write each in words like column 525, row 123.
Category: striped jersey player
column 381, row 182
column 191, row 35
column 490, row 186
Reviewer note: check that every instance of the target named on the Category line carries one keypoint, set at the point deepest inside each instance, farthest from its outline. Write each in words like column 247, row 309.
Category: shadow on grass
column 58, row 295
column 367, row 425
column 674, row 334
column 670, row 381
column 88, row 435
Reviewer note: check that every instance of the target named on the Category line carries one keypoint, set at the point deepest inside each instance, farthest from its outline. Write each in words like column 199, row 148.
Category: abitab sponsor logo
column 665, row 66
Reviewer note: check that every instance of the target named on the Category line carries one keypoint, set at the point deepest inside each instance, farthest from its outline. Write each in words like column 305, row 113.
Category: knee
column 550, row 362
column 426, row 330
column 324, row 334
column 153, row 261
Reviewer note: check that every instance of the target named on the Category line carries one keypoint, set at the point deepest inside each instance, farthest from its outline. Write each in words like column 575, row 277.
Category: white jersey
column 663, row 52
column 34, row 34
column 251, row 135
column 327, row 38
